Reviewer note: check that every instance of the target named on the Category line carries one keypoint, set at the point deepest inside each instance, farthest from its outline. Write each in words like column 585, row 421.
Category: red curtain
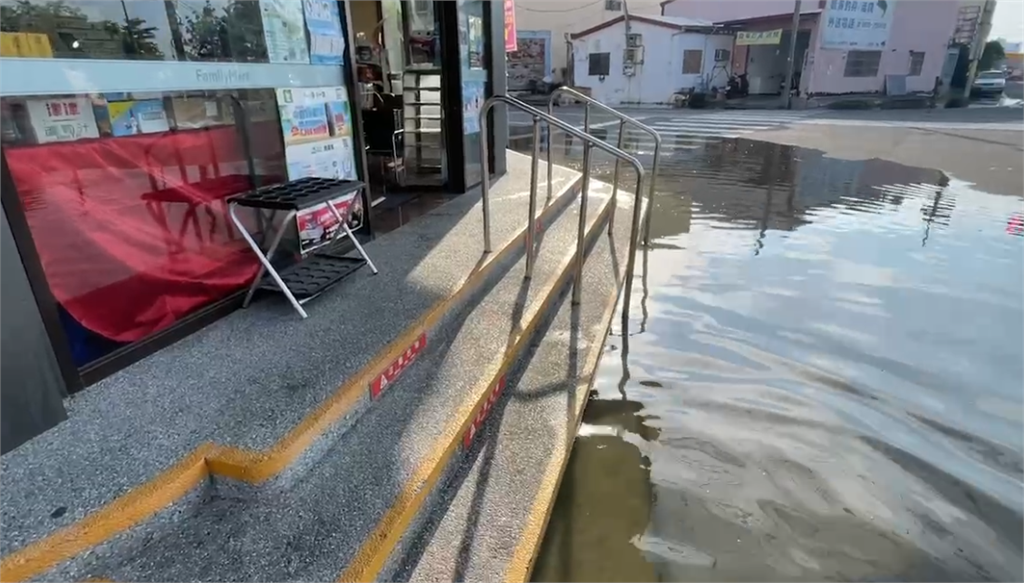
column 133, row 232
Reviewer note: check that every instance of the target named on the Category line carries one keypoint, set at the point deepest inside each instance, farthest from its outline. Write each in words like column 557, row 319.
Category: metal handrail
column 588, row 142
column 623, row 120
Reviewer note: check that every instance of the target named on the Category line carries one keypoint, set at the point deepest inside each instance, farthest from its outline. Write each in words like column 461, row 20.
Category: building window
column 862, row 63
column 613, row 5
column 692, row 60
column 916, row 63
column 600, row 64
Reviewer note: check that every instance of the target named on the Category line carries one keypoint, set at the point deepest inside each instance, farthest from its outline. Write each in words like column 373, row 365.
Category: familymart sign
column 763, row 37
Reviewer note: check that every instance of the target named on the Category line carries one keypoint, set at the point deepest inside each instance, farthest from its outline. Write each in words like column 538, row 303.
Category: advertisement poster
column 316, row 124
column 62, row 119
column 472, row 101
column 317, row 226
column 476, row 41
column 510, row 26
column 326, row 39
column 856, row 25
column 129, row 118
column 284, row 30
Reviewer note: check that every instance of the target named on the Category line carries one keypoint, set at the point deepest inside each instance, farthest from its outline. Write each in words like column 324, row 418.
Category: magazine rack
column 306, row 198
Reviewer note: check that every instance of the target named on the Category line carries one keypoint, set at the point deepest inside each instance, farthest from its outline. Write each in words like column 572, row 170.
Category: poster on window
column 856, row 24
column 510, row 26
column 326, row 38
column 62, row 119
column 472, row 101
column 317, row 226
column 285, row 31
column 129, row 118
column 316, row 123
column 475, row 25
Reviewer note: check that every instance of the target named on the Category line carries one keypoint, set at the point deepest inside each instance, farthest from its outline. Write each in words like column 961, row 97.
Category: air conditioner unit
column 721, row 55
column 628, row 69
column 634, row 56
column 634, row 40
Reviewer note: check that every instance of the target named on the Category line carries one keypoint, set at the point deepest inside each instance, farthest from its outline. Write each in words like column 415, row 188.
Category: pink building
column 843, row 46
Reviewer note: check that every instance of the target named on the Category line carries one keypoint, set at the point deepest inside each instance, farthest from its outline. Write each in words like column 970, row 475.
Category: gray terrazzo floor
column 311, row 530
column 479, row 524
column 250, row 377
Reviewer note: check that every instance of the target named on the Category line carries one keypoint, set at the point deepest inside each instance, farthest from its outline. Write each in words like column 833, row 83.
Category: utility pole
column 978, row 44
column 791, row 66
column 625, row 19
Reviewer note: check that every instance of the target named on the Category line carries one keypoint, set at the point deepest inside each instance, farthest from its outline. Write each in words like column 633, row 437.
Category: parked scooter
column 738, row 86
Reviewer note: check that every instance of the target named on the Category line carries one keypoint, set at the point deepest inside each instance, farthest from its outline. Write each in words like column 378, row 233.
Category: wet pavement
column 819, row 378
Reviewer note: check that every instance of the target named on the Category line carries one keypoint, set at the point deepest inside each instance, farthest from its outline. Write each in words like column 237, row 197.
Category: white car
column 989, row 82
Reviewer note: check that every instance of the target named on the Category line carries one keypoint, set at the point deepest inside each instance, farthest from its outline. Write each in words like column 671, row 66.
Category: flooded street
column 820, row 378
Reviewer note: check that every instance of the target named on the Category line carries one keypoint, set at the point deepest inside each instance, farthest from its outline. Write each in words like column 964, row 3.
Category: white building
column 542, row 27
column 664, row 55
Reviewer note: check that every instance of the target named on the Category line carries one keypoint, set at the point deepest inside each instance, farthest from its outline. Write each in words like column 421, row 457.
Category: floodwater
column 820, row 378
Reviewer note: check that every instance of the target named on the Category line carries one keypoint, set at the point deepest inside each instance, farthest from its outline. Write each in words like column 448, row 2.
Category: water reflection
column 819, row 377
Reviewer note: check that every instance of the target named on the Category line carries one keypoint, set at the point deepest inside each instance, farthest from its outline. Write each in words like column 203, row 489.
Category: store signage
column 80, row 76
column 510, row 26
column 761, row 37
column 481, row 415
column 222, row 77
column 392, row 372
column 860, row 24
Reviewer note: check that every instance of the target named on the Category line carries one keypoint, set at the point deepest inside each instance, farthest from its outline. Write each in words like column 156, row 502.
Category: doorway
column 397, row 53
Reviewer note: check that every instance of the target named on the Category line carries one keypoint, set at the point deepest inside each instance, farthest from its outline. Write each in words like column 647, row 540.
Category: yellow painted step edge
column 520, row 567
column 145, row 500
column 373, row 553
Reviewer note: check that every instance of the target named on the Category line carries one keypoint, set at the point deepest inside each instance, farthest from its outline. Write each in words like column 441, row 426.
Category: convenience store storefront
column 126, row 124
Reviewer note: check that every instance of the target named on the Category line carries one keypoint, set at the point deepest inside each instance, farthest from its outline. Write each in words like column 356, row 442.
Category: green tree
column 992, row 55
column 234, row 33
column 137, row 39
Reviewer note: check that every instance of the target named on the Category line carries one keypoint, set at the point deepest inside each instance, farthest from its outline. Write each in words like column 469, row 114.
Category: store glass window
column 123, row 166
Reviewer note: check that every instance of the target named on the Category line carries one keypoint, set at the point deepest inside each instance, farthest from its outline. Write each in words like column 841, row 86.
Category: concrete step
column 355, row 504
column 490, row 519
column 247, row 405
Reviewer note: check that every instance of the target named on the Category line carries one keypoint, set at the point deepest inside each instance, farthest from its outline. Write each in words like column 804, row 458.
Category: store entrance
column 397, row 51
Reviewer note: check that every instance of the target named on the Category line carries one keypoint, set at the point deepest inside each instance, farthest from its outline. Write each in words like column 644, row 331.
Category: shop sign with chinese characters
column 856, row 24
column 761, row 37
column 62, row 119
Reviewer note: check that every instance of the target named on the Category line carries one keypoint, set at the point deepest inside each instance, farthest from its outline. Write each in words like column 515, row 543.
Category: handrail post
column 530, row 229
column 634, row 238
column 650, row 194
column 615, row 176
column 551, row 162
column 581, row 231
column 485, row 178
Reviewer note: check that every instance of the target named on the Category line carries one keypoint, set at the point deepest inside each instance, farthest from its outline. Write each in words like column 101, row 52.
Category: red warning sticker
column 481, row 415
column 392, row 372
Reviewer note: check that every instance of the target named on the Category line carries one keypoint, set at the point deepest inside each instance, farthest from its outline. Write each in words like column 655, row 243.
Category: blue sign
column 326, row 37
